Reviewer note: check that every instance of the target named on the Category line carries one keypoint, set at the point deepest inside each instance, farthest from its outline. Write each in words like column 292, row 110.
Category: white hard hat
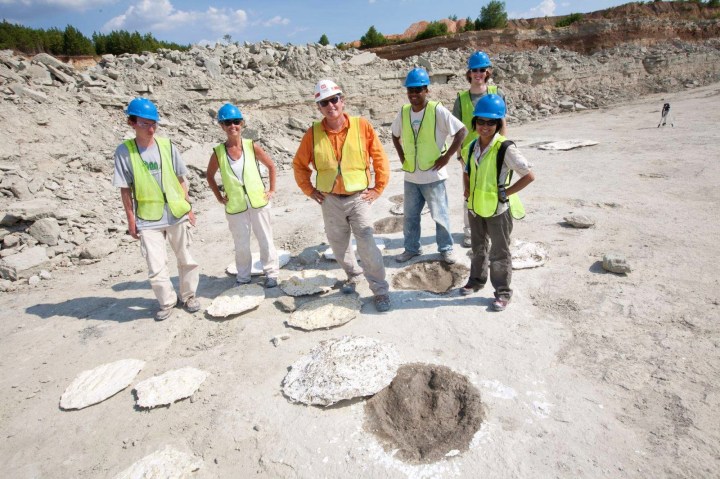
column 325, row 89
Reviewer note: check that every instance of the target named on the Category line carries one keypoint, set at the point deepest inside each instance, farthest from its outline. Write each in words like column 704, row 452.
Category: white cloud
column 162, row 16
column 276, row 20
column 546, row 8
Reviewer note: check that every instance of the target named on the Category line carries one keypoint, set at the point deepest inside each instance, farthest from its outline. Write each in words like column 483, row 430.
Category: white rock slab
column 329, row 254
column 237, row 300
column 169, row 387
column 340, row 369
column 527, row 255
column 96, row 385
column 565, row 145
column 257, row 269
column 167, row 463
column 325, row 313
column 308, row 282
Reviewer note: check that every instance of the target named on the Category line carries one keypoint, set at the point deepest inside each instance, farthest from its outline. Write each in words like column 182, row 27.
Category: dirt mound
column 426, row 412
column 432, row 276
column 391, row 224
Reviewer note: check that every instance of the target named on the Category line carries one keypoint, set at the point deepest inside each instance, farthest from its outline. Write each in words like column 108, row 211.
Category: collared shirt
column 303, row 164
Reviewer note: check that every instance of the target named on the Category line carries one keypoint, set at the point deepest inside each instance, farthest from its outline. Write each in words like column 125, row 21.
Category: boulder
column 46, row 231
column 616, row 263
column 98, row 249
column 24, row 264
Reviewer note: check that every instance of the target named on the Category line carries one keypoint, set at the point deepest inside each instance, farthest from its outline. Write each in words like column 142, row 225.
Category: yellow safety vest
column 483, row 197
column 252, row 184
column 466, row 115
column 148, row 193
column 352, row 166
column 420, row 149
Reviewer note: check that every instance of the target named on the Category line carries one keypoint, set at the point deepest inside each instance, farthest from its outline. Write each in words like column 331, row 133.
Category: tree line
column 71, row 41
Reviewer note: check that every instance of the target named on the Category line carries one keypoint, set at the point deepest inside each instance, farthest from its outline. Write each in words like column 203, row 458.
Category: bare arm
column 456, row 143
column 212, row 169
column 399, row 149
column 126, row 196
column 270, row 165
column 520, row 184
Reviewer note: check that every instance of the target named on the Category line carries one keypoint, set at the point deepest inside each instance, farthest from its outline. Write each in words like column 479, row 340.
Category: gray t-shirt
column 123, row 178
column 474, row 97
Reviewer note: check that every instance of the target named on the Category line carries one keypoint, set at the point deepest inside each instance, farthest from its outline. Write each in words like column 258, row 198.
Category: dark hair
column 498, row 124
column 489, row 74
column 132, row 118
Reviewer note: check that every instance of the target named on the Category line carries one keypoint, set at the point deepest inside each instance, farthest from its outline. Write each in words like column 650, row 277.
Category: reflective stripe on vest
column 352, row 166
column 148, row 194
column 252, row 184
column 420, row 149
column 483, row 196
column 466, row 115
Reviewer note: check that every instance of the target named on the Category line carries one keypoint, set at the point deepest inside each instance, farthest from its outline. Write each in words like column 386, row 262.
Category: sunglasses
column 146, row 124
column 478, row 70
column 235, row 121
column 333, row 100
column 481, row 122
column 415, row 89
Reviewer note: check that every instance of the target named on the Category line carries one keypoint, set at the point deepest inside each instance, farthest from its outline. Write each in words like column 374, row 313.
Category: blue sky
column 297, row 22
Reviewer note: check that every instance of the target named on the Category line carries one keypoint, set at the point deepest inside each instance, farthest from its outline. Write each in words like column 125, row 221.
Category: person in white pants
column 245, row 198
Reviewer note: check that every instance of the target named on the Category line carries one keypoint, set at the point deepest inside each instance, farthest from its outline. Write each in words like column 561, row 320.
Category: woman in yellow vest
column 479, row 71
column 245, row 197
column 492, row 201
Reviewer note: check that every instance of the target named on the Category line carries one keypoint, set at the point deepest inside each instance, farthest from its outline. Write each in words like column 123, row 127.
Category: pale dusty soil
column 587, row 374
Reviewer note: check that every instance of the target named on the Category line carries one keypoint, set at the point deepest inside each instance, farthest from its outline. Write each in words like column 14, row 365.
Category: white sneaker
column 448, row 257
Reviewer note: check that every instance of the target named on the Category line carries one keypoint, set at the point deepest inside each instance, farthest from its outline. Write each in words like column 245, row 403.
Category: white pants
column 152, row 247
column 257, row 220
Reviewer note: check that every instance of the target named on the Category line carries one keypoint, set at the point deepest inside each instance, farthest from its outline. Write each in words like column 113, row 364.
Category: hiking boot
column 382, row 303
column 448, row 257
column 467, row 242
column 405, row 256
column 470, row 288
column 240, row 282
column 348, row 287
column 164, row 314
column 500, row 304
column 192, row 305
column 271, row 282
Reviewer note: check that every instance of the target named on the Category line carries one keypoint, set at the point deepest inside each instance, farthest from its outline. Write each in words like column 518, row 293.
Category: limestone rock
column 364, row 58
column 237, row 300
column 257, row 269
column 579, row 221
column 616, row 263
column 308, row 282
column 340, row 369
column 167, row 463
column 527, row 255
column 46, row 231
column 23, row 264
column 98, row 248
column 95, row 385
column 325, row 313
column 285, row 304
column 169, row 387
column 566, row 145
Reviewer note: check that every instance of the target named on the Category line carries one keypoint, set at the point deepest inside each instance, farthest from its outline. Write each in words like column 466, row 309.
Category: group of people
column 351, row 170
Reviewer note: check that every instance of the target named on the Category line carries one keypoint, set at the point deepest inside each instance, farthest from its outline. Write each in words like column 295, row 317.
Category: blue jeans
column 436, row 197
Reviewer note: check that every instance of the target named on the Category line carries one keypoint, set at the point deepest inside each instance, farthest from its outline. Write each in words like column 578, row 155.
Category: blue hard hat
column 229, row 112
column 478, row 60
column 143, row 108
column 417, row 77
column 490, row 106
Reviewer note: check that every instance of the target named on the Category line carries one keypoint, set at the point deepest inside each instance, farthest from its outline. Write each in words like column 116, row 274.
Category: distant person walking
column 339, row 149
column 479, row 71
column 492, row 200
column 665, row 116
column 151, row 176
column 245, row 198
column 420, row 131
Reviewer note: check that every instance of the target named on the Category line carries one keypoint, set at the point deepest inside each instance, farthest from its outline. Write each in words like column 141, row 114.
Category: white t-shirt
column 446, row 125
column 123, row 178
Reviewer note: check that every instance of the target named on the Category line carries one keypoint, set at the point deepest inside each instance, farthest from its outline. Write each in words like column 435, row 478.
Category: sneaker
column 500, row 304
column 348, row 287
column 467, row 242
column 164, row 314
column 448, row 257
column 470, row 288
column 405, row 256
column 240, row 282
column 271, row 282
column 192, row 305
column 382, row 303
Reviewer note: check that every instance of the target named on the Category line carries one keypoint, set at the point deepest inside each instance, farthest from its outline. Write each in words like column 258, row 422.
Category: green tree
column 227, row 38
column 372, row 38
column 324, row 41
column 434, row 29
column 75, row 43
column 469, row 24
column 492, row 15
column 713, row 3
column 569, row 20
